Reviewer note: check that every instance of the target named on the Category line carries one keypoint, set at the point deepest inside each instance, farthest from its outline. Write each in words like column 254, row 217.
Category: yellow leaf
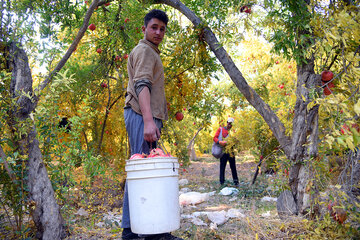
column 332, row 36
column 350, row 143
column 329, row 140
column 311, row 104
column 357, row 107
column 282, row 227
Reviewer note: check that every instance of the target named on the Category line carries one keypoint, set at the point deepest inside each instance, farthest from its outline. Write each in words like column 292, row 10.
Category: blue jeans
column 135, row 128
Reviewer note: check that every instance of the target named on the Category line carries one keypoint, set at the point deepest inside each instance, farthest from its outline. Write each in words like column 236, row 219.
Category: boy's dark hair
column 156, row 13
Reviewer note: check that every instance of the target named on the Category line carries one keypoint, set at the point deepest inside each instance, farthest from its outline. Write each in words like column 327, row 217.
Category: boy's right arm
column 151, row 131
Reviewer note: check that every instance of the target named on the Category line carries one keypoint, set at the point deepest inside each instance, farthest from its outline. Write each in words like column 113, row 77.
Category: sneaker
column 163, row 236
column 236, row 183
column 127, row 234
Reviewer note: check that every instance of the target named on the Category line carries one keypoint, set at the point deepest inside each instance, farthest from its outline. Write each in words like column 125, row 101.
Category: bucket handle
column 163, row 147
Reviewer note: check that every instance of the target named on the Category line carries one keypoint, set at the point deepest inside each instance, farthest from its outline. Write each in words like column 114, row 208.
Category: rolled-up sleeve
column 144, row 64
column 140, row 84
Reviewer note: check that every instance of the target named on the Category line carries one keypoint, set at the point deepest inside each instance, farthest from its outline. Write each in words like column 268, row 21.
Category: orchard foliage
column 274, row 79
column 267, row 44
column 338, row 50
column 101, row 76
column 333, row 41
column 290, row 22
column 328, row 35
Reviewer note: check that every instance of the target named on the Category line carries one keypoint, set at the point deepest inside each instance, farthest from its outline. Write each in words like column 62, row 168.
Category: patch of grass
column 262, row 207
column 257, row 190
column 199, row 233
column 206, row 159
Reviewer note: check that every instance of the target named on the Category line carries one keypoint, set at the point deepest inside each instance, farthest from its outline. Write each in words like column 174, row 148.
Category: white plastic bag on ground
column 218, row 217
column 269, row 199
column 232, row 199
column 213, row 226
column 82, row 212
column 100, row 224
column 228, row 191
column 198, row 214
column 192, row 198
column 198, row 222
column 183, row 182
column 235, row 213
column 194, row 218
column 266, row 214
column 184, row 190
column 186, row 216
column 111, row 217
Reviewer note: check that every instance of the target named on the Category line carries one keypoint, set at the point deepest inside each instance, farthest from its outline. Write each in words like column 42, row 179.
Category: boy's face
column 154, row 31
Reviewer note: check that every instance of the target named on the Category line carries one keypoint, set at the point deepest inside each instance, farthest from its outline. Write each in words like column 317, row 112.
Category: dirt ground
column 95, row 213
column 203, row 176
column 208, row 168
column 84, row 214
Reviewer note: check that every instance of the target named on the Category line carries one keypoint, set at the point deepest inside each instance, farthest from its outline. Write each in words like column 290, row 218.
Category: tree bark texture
column 304, row 136
column 45, row 211
column 192, row 153
column 190, row 146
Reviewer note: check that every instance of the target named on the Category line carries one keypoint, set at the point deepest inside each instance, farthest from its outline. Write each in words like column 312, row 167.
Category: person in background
column 145, row 103
column 226, row 156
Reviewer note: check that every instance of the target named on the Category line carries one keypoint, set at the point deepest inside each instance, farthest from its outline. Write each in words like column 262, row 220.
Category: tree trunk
column 191, row 152
column 190, row 147
column 45, row 210
column 304, row 137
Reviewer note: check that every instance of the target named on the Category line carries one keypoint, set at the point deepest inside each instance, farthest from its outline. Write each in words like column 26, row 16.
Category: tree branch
column 6, row 165
column 73, row 45
column 190, row 143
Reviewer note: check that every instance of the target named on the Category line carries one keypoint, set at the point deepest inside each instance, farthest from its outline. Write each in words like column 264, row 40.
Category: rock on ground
column 286, row 205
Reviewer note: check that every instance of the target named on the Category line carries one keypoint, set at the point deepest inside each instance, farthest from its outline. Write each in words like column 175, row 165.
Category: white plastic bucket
column 153, row 193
